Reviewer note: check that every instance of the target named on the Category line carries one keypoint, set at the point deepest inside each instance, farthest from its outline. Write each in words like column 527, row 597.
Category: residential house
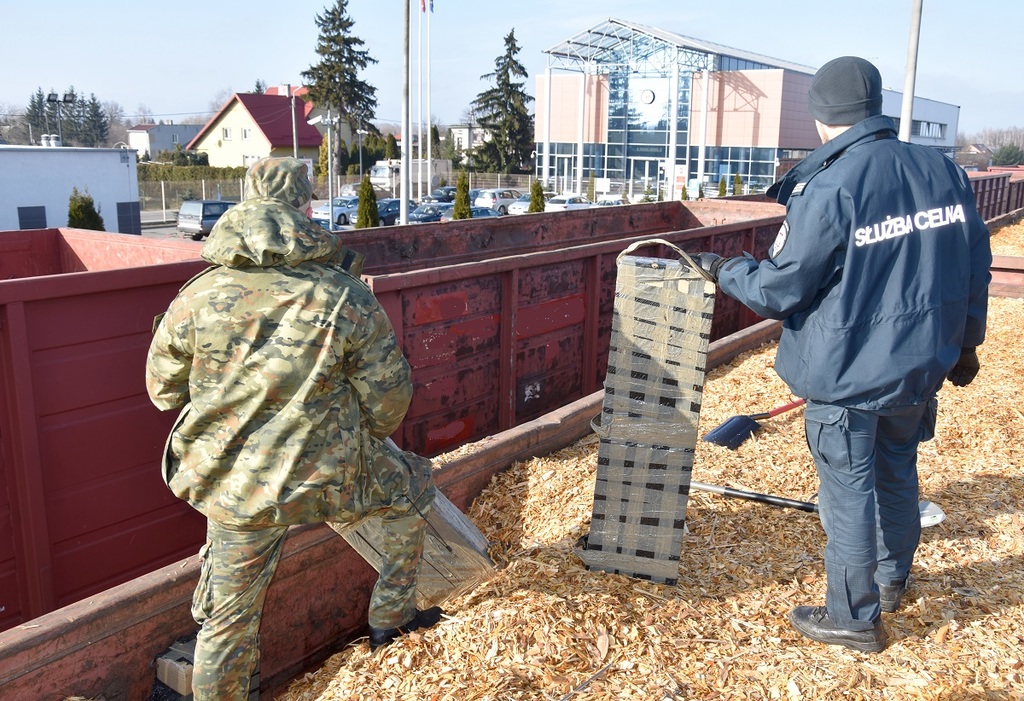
column 468, row 137
column 251, row 126
column 974, row 157
column 151, row 139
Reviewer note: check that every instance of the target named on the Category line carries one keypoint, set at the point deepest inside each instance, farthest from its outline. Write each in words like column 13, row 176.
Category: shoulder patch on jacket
column 780, row 239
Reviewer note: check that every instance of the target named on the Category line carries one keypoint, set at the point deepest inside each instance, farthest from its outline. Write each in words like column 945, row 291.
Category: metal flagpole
column 403, row 203
column 430, row 129
column 419, row 101
column 907, row 112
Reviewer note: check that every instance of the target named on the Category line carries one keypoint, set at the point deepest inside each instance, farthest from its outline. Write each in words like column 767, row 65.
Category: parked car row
column 430, row 212
column 197, row 217
column 345, row 209
column 474, row 213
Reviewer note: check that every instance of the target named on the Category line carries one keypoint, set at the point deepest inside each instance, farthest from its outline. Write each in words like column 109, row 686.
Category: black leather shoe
column 422, row 620
column 813, row 622
column 889, row 597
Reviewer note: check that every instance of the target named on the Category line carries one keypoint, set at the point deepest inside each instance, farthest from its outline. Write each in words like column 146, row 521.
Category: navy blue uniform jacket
column 880, row 271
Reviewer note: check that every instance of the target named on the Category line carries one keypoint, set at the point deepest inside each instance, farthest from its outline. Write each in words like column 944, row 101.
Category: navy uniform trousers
column 867, row 500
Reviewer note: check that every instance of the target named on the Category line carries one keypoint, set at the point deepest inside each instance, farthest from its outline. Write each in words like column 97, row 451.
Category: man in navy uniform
column 880, row 274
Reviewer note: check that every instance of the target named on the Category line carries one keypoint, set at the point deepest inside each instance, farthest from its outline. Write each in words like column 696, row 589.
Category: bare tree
column 219, row 99
column 14, row 127
column 996, row 138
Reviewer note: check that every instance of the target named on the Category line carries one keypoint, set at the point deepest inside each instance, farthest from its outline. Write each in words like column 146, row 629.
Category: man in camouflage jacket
column 289, row 377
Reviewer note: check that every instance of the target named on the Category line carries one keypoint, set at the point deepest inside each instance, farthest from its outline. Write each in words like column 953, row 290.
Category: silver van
column 197, row 217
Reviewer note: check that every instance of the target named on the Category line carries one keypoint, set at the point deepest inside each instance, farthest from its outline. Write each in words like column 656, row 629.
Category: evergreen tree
column 721, row 186
column 700, row 191
column 502, row 112
column 260, row 87
column 95, row 128
column 461, row 209
column 449, row 150
column 71, row 115
column 1008, row 155
column 334, row 81
column 536, row 197
column 341, row 165
column 36, row 116
column 353, row 156
column 391, row 149
column 686, row 195
column 367, row 215
column 737, row 184
column 82, row 212
column 591, row 187
column 321, row 170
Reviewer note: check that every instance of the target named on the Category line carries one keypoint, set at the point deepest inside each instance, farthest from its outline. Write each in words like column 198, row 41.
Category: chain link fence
column 168, row 195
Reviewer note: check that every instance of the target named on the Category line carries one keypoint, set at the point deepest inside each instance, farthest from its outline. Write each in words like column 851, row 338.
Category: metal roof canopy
column 616, row 42
column 617, row 45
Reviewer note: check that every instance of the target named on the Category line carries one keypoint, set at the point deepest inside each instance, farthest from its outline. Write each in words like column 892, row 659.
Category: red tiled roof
column 271, row 115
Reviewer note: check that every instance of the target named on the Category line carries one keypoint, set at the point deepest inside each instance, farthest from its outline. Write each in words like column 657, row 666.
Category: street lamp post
column 55, row 99
column 360, row 132
column 329, row 121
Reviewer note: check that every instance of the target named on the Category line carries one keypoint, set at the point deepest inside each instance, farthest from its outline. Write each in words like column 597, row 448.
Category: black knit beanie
column 844, row 91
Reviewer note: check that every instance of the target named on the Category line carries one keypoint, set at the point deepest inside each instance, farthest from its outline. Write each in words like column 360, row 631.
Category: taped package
column 661, row 328
column 454, row 560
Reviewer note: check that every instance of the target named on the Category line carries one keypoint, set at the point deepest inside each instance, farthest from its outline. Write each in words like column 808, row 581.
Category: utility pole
column 330, row 122
column 403, row 205
column 907, row 112
column 295, row 129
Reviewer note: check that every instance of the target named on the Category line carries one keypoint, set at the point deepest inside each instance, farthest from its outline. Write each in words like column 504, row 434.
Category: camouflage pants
column 239, row 565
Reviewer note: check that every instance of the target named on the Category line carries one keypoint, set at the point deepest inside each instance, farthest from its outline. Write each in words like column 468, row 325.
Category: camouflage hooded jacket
column 286, row 370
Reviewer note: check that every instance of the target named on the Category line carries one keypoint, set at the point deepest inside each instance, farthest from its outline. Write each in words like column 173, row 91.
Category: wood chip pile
column 547, row 628
column 1009, row 240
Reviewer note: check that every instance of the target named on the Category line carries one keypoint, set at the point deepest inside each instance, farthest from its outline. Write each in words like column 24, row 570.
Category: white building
column 153, row 138
column 36, row 184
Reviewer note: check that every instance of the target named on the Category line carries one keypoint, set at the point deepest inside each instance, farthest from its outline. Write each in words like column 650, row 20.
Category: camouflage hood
column 264, row 232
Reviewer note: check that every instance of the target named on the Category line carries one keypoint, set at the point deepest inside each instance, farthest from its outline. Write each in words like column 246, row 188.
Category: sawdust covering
column 1008, row 240
column 547, row 628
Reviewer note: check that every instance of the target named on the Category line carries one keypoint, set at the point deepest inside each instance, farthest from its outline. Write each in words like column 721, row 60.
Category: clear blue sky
column 178, row 58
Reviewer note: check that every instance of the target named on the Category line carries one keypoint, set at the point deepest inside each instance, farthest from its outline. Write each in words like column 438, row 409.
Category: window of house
column 225, row 133
column 174, row 138
column 246, row 133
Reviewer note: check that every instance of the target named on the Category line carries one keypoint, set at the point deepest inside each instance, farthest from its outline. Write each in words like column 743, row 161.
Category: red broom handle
column 786, row 407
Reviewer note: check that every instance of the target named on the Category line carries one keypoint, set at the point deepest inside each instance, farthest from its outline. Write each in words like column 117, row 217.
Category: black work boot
column 890, row 596
column 422, row 620
column 813, row 622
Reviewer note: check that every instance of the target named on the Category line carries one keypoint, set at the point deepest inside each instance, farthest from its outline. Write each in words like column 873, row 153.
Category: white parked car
column 497, row 198
column 611, row 200
column 520, row 206
column 345, row 209
column 564, row 202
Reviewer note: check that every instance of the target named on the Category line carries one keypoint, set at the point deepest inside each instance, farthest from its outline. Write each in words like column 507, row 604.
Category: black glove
column 709, row 262
column 965, row 369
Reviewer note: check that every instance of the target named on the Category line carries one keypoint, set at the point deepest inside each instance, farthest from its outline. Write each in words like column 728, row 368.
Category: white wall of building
column 940, row 120
column 39, row 176
column 155, row 138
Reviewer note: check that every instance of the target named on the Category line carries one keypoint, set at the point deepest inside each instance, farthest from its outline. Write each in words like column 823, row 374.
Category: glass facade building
column 626, row 105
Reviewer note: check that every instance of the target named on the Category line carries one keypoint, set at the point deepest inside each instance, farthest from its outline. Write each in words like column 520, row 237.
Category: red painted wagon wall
column 82, row 504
